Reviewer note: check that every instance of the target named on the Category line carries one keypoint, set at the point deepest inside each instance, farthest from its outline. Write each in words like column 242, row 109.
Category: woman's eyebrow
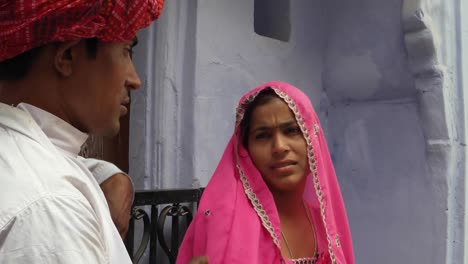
column 282, row 125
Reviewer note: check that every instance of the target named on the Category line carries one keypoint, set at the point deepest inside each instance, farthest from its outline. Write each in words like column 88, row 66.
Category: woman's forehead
column 275, row 110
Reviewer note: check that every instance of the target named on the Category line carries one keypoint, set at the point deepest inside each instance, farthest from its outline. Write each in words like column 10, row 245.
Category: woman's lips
column 283, row 166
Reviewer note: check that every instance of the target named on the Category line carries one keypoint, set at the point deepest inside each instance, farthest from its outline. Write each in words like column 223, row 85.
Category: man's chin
column 113, row 131
column 108, row 131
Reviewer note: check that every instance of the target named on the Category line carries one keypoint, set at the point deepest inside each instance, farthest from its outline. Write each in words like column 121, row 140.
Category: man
column 66, row 71
column 117, row 188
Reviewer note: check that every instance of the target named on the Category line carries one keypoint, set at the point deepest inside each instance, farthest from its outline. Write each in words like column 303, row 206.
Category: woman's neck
column 289, row 204
column 297, row 231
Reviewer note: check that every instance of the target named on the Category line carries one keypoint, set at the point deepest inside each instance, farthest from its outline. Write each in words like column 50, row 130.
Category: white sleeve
column 54, row 229
column 101, row 170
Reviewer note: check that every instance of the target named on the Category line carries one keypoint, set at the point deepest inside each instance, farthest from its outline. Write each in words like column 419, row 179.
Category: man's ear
column 65, row 55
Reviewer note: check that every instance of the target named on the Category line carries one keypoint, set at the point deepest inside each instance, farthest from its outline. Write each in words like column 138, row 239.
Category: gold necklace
column 313, row 234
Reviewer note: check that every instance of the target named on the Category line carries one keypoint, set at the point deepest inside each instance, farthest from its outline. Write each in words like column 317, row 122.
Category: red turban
column 28, row 24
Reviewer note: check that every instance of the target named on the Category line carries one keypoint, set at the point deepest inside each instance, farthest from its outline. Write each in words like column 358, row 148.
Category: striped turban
column 26, row 24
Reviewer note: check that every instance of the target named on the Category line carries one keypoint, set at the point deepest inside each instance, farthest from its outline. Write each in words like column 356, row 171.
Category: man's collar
column 39, row 125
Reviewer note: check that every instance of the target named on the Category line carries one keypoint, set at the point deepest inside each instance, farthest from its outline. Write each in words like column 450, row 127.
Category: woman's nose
column 280, row 145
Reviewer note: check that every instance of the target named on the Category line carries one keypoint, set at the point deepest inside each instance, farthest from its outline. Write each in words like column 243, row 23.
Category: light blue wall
column 395, row 136
column 396, row 208
column 232, row 59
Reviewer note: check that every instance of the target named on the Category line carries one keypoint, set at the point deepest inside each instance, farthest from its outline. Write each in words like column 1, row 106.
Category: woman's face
column 277, row 146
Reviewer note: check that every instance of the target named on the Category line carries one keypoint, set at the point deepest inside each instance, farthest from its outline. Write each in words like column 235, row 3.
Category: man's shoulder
column 24, row 162
column 53, row 227
column 24, row 155
column 30, row 173
column 38, row 205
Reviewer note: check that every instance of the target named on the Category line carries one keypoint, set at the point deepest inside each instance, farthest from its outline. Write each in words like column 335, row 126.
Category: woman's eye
column 293, row 131
column 262, row 135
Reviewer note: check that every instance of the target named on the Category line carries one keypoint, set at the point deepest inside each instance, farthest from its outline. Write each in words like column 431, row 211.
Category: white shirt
column 52, row 209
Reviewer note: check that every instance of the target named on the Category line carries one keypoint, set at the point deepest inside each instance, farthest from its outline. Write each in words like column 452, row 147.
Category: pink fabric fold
column 237, row 220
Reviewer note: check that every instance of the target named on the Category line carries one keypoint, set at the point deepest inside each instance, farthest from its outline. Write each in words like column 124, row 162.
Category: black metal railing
column 176, row 205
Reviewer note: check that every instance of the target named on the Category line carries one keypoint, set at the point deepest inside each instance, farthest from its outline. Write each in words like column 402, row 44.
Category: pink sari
column 237, row 220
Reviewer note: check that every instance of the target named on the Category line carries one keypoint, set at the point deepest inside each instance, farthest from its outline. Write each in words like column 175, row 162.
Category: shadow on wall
column 272, row 19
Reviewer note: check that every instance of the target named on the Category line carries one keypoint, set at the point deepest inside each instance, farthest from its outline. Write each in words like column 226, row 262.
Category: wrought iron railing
column 175, row 204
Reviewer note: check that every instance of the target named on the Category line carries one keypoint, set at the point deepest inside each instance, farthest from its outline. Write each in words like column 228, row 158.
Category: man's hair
column 18, row 67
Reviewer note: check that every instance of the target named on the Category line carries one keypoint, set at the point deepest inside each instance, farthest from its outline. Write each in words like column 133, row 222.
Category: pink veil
column 237, row 221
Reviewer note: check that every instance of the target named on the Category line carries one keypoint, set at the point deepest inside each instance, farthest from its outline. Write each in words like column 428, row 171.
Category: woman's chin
column 288, row 184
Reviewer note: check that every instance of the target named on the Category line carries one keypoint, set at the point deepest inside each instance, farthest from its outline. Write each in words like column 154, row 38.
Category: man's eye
column 130, row 52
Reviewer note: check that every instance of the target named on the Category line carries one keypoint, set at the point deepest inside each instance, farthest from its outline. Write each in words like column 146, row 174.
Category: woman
column 274, row 197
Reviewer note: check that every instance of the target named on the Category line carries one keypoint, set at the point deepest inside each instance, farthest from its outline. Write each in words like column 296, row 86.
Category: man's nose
column 133, row 81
